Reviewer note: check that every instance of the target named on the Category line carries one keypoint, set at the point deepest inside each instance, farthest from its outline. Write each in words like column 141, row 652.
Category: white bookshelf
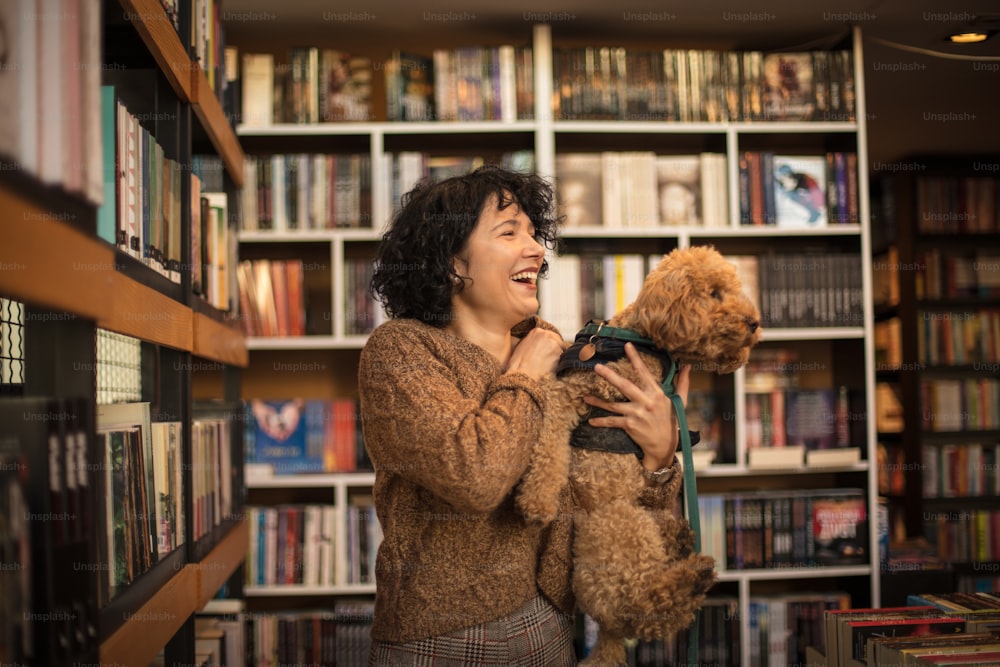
column 731, row 138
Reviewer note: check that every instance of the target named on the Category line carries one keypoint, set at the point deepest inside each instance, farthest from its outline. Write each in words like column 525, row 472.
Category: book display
column 938, row 351
column 120, row 511
column 762, row 156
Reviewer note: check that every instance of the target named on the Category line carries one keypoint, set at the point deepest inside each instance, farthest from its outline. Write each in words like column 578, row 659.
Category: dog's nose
column 753, row 324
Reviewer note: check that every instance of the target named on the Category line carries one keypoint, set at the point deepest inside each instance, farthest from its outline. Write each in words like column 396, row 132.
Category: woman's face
column 500, row 265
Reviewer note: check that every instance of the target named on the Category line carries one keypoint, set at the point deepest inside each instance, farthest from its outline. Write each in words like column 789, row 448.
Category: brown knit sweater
column 450, row 435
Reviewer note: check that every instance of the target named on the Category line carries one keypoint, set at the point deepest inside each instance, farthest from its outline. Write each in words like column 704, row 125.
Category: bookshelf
column 821, row 349
column 938, row 305
column 72, row 286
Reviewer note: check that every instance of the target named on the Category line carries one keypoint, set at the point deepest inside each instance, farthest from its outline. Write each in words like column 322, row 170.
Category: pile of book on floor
column 941, row 629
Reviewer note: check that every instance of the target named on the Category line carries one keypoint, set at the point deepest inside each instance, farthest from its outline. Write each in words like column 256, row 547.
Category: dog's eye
column 716, row 294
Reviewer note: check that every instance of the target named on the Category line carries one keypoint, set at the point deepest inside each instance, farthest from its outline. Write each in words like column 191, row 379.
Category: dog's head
column 692, row 304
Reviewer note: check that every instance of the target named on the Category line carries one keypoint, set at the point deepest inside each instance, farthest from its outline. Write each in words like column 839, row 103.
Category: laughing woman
column 451, row 408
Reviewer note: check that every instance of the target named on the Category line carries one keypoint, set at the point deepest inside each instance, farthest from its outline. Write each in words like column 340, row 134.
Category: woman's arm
column 648, row 417
column 419, row 424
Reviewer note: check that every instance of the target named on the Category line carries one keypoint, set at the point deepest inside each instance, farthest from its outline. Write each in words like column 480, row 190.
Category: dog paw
column 703, row 568
column 537, row 512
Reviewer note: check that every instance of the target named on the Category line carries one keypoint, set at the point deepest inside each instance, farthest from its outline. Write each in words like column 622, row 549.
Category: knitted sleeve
column 660, row 491
column 422, row 422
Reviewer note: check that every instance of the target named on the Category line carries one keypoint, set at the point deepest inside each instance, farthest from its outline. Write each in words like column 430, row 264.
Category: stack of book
column 944, row 629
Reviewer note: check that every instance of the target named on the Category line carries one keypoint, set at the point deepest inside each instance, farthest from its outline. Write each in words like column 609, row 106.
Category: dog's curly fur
column 634, row 570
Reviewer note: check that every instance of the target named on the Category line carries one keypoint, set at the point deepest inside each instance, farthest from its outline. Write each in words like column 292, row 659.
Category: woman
column 451, row 407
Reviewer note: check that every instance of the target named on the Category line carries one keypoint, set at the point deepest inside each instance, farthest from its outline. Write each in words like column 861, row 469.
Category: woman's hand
column 648, row 415
column 537, row 354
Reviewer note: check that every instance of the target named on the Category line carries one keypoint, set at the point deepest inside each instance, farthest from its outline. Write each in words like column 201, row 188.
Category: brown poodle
column 634, row 570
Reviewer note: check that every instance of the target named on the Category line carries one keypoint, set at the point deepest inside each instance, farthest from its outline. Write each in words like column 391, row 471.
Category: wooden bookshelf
column 186, row 78
column 50, row 263
column 52, row 260
column 221, row 562
column 218, row 341
column 847, row 357
column 142, row 635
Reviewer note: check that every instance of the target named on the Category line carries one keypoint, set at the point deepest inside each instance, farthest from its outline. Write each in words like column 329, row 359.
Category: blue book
column 281, row 436
column 107, row 214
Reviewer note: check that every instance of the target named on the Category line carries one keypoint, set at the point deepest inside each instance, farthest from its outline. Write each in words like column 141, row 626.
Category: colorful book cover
column 800, row 199
column 811, row 418
column 280, row 436
column 840, row 528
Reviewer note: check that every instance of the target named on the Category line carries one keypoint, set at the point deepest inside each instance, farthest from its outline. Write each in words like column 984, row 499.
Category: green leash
column 690, row 482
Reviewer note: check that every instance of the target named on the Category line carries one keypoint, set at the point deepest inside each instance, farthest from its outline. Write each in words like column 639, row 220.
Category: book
column 799, row 191
column 20, row 81
column 810, row 418
column 835, row 620
column 788, row 93
column 579, row 188
column 855, row 634
column 409, row 84
column 679, row 189
column 16, row 644
column 257, row 82
column 898, row 650
column 298, row 435
column 840, row 527
column 129, row 483
column 168, row 483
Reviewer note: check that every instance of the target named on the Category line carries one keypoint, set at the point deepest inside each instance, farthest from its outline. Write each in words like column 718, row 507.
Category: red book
column 859, row 632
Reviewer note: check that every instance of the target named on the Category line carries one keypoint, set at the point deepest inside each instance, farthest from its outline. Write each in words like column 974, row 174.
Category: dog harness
column 604, row 351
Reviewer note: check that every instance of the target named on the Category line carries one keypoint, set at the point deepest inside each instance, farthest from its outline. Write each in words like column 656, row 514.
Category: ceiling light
column 968, row 37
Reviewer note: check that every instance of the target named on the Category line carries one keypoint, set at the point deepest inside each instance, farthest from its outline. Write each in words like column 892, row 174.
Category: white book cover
column 329, row 546
column 24, row 45
column 508, row 83
column 11, row 75
column 311, row 517
column 559, row 295
column 679, row 189
column 611, row 203
column 51, row 108
column 411, row 170
column 579, row 189
column 258, row 89
column 640, row 194
column 270, row 546
column 73, row 110
column 160, row 487
column 800, row 191
column 714, row 190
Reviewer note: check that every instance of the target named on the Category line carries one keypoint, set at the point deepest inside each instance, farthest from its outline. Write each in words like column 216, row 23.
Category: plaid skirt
column 536, row 635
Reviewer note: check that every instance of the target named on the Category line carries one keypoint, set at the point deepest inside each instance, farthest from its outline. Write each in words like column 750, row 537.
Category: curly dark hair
column 414, row 270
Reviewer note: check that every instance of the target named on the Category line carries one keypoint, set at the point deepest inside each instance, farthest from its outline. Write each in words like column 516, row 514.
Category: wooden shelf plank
column 142, row 635
column 186, row 78
column 163, row 42
column 49, row 264
column 220, row 342
column 217, row 126
column 144, row 313
column 221, row 562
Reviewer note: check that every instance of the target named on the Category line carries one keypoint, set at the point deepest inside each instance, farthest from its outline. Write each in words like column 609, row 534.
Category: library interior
column 217, row 218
